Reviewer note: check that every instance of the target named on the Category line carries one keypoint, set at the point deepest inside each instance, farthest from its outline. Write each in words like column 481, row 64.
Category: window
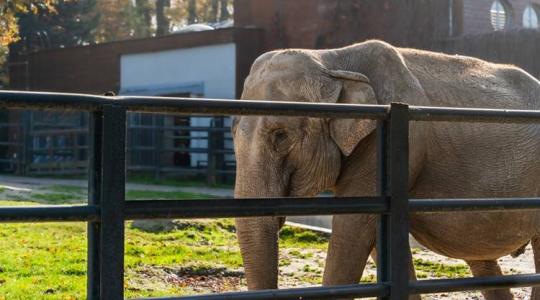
column 530, row 16
column 500, row 17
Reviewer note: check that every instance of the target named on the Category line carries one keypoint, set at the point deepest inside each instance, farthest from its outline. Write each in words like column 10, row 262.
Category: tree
column 224, row 10
column 9, row 11
column 192, row 12
column 162, row 21
column 214, row 6
column 73, row 23
column 144, row 11
column 118, row 20
column 184, row 12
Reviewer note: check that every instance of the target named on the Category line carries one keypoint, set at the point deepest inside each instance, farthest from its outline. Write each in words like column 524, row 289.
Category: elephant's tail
column 519, row 250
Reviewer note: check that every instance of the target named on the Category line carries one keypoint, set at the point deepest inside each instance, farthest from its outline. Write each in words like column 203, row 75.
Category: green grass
column 426, row 269
column 48, row 261
column 42, row 261
column 146, row 194
column 56, row 176
column 294, row 237
column 57, row 198
column 69, row 189
column 16, row 203
column 60, row 194
column 150, row 179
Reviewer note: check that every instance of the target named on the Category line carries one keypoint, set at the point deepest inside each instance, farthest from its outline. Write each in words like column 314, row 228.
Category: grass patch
column 56, row 198
column 150, row 179
column 16, row 203
column 64, row 194
column 42, row 261
column 150, row 195
column 294, row 237
column 426, row 269
column 48, row 261
column 68, row 189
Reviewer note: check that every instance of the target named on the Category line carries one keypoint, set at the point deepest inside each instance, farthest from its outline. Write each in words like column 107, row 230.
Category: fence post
column 27, row 142
column 158, row 144
column 94, row 198
column 211, row 165
column 112, row 203
column 395, row 256
column 383, row 272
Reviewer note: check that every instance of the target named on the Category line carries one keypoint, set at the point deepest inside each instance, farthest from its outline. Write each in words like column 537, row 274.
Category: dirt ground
column 305, row 269
column 521, row 265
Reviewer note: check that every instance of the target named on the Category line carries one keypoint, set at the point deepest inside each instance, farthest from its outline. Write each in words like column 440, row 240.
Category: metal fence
column 56, row 143
column 107, row 209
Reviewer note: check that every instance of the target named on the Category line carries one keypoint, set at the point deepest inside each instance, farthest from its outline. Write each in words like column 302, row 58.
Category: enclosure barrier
column 107, row 209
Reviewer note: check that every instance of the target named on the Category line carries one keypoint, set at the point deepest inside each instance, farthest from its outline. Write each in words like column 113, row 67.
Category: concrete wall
column 214, row 66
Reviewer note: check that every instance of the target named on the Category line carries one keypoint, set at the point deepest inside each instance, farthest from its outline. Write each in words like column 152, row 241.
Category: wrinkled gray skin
column 285, row 156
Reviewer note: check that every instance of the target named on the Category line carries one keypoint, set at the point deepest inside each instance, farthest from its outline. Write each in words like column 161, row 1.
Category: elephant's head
column 291, row 156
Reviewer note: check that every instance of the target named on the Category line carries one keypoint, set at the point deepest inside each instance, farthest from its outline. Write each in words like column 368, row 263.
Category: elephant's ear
column 355, row 89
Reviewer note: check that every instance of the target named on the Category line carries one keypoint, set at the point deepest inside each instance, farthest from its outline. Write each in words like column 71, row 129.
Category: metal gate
column 107, row 209
column 56, row 143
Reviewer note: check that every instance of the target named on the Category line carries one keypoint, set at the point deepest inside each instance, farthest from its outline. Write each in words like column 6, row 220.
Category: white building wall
column 212, row 68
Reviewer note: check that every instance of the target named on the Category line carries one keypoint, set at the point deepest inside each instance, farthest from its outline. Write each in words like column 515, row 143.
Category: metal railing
column 107, row 209
column 45, row 143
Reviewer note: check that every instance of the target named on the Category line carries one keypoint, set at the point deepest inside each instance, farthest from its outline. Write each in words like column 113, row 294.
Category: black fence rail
column 107, row 209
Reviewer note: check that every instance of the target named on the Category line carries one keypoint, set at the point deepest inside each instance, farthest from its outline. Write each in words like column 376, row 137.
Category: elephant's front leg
column 353, row 238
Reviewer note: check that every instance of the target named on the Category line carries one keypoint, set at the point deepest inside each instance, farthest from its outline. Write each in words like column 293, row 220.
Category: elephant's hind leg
column 481, row 268
column 535, row 242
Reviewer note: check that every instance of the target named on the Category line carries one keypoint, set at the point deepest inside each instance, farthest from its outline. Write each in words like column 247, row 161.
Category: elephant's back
column 455, row 80
column 471, row 160
column 477, row 159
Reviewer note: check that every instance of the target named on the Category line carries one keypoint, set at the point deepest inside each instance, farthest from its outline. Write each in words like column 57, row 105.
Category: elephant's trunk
column 259, row 247
column 258, row 236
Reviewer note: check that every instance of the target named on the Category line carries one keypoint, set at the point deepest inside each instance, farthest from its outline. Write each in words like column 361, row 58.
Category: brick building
column 482, row 16
column 214, row 63
column 411, row 23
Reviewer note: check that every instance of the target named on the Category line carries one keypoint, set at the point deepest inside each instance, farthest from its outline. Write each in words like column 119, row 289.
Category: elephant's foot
column 481, row 268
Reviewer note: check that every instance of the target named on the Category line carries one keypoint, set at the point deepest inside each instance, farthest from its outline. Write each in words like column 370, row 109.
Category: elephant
column 282, row 156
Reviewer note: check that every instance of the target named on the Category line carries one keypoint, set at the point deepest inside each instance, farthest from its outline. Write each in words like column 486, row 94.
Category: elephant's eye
column 279, row 137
